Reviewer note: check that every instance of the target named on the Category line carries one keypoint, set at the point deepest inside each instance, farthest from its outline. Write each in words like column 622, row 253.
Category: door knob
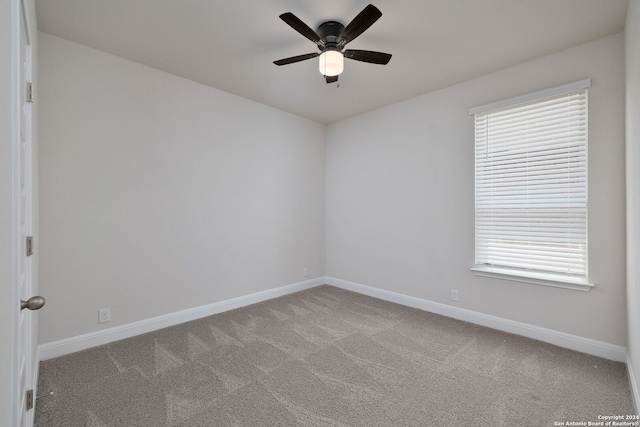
column 33, row 303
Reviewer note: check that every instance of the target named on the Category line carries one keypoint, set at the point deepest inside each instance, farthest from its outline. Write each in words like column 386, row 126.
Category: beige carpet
column 328, row 357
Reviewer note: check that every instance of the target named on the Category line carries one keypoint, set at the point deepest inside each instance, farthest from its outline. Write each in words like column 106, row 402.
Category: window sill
column 556, row 281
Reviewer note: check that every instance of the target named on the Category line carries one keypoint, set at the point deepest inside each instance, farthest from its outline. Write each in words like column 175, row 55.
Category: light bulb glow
column 331, row 63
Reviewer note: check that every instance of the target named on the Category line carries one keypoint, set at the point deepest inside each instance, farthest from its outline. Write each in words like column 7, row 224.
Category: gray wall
column 156, row 187
column 160, row 194
column 632, row 39
column 400, row 197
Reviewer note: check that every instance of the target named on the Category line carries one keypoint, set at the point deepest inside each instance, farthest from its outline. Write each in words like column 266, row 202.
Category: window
column 531, row 188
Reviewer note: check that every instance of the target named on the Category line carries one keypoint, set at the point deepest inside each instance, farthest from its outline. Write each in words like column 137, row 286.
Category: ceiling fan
column 331, row 37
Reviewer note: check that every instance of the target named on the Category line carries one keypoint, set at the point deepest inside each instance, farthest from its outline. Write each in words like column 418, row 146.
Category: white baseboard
column 573, row 342
column 561, row 339
column 635, row 392
column 93, row 339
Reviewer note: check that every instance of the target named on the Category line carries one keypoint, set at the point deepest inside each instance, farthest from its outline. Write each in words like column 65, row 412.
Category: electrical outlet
column 104, row 315
column 454, row 295
column 305, row 271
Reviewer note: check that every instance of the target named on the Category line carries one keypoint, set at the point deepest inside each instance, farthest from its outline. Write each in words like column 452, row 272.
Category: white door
column 23, row 220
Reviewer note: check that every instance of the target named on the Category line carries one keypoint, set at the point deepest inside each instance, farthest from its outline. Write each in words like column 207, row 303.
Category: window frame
column 518, row 274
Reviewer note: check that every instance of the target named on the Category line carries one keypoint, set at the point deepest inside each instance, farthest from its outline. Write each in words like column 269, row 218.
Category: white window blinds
column 531, row 185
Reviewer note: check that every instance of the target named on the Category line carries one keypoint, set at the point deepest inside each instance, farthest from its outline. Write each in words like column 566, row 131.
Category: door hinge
column 29, row 399
column 29, row 245
column 29, row 92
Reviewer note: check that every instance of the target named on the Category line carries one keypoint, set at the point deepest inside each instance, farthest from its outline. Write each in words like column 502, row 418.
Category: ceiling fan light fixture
column 331, row 38
column 331, row 63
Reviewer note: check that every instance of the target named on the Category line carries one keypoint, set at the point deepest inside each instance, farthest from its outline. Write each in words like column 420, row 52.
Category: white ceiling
column 231, row 45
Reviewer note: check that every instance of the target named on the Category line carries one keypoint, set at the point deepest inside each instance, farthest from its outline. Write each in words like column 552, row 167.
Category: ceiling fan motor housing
column 330, row 32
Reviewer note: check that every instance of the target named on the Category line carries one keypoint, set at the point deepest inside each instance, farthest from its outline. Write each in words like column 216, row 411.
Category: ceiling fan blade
column 298, row 58
column 295, row 23
column 360, row 23
column 331, row 79
column 368, row 56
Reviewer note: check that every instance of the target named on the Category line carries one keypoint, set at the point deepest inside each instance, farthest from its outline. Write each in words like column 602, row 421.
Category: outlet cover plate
column 104, row 315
